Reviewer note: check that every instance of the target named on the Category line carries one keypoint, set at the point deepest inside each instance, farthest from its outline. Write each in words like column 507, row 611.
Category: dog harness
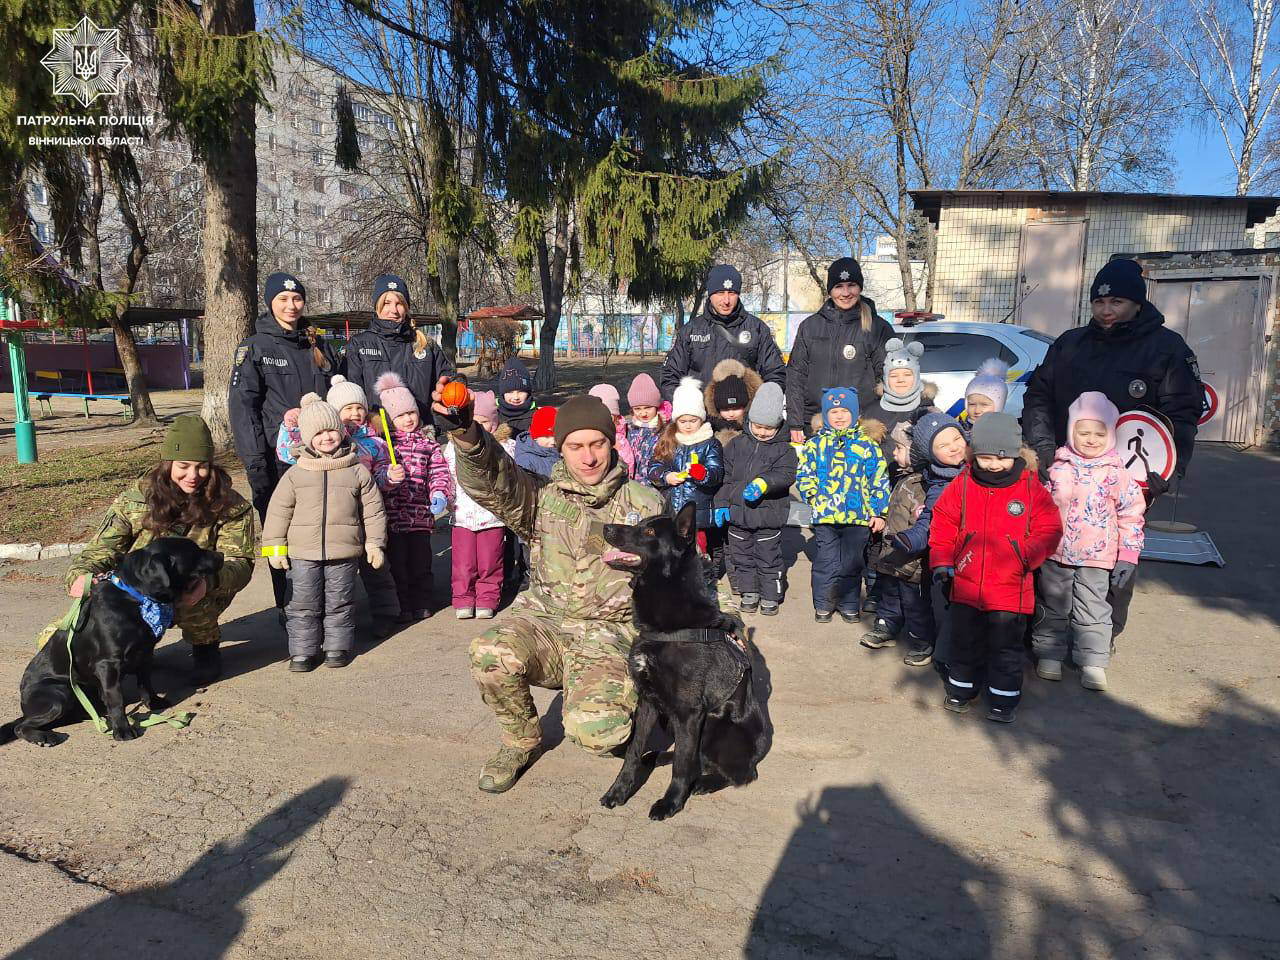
column 737, row 646
column 158, row 616
column 70, row 623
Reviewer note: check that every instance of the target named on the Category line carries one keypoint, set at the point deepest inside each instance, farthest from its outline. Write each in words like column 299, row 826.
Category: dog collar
column 158, row 616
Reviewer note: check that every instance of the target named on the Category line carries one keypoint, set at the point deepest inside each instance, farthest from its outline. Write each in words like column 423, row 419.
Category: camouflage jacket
column 122, row 532
column 563, row 521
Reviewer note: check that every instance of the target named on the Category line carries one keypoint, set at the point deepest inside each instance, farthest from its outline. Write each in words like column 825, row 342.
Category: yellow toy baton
column 387, row 433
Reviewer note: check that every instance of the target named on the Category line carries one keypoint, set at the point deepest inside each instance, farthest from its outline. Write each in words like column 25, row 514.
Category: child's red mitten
column 697, row 473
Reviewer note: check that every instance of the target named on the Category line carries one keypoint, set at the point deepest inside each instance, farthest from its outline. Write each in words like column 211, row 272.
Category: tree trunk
column 230, row 235
column 127, row 348
column 552, row 260
column 450, row 299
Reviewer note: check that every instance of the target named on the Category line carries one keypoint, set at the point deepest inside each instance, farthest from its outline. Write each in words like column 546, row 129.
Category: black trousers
column 755, row 562
column 836, row 577
column 905, row 604
column 990, row 640
column 409, row 556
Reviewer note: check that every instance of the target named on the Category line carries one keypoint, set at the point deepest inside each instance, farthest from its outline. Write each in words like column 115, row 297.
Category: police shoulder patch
column 1194, row 364
column 242, row 351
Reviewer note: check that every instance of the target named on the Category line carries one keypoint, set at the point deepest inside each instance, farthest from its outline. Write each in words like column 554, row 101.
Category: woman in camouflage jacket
column 184, row 495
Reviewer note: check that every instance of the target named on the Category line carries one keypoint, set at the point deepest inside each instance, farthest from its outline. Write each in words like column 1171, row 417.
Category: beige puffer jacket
column 326, row 508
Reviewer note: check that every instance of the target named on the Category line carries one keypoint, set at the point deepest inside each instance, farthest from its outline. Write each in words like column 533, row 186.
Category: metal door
column 1051, row 262
column 1221, row 319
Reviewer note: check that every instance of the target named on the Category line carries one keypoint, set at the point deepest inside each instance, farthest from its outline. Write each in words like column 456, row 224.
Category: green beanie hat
column 188, row 438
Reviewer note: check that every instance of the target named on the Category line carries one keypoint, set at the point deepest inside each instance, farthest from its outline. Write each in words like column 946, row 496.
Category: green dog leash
column 69, row 623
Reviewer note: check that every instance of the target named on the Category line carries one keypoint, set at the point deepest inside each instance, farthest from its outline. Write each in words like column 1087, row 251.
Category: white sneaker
column 1049, row 669
column 464, row 613
column 1093, row 678
column 484, row 613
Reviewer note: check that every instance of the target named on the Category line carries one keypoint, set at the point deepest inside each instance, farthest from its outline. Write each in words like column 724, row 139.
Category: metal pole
column 24, row 431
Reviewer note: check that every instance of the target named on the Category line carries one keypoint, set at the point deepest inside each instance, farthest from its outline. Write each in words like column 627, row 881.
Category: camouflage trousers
column 199, row 623
column 587, row 659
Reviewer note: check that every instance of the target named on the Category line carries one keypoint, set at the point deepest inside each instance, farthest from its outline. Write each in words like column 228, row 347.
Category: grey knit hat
column 996, row 435
column 768, row 408
column 902, row 356
column 316, row 416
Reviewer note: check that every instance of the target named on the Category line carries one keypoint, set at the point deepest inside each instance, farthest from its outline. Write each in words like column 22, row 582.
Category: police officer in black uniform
column 393, row 342
column 842, row 345
column 723, row 329
column 273, row 368
column 1127, row 353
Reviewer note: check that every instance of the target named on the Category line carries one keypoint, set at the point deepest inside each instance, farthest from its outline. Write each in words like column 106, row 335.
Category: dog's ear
column 687, row 521
column 151, row 574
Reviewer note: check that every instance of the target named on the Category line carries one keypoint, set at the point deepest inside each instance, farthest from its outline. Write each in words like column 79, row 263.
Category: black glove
column 1122, row 575
column 1156, row 487
column 943, row 577
column 451, row 418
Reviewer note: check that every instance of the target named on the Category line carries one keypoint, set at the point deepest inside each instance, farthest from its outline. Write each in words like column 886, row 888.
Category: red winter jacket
column 994, row 537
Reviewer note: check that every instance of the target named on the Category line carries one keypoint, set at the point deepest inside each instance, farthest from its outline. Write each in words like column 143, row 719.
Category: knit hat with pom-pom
column 393, row 396
column 989, row 381
column 687, row 400
column 344, row 391
column 315, row 417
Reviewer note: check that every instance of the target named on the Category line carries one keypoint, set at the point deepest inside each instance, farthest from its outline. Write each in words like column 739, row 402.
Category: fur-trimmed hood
column 730, row 367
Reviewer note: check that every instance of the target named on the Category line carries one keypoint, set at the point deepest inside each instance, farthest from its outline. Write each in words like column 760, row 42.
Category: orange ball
column 455, row 394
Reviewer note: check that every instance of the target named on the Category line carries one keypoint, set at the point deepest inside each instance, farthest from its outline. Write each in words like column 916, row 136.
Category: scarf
column 1005, row 478
column 908, row 401
column 158, row 616
column 700, row 435
column 510, row 411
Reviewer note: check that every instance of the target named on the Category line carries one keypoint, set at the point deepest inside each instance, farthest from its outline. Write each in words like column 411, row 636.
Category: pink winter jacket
column 1102, row 510
column 426, row 472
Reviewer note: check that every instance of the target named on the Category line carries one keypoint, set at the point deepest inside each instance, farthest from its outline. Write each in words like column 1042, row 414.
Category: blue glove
column 720, row 516
column 439, row 503
column 1122, row 575
column 754, row 491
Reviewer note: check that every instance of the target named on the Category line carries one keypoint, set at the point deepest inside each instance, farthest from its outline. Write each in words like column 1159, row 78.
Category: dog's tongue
column 619, row 556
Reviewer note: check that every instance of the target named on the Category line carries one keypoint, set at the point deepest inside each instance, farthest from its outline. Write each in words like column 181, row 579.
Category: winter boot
column 1093, row 678
column 880, row 635
column 337, row 658
column 504, row 768
column 919, row 656
column 750, row 602
column 206, row 664
column 956, row 705
column 1049, row 669
column 769, row 608
column 1001, row 714
column 303, row 664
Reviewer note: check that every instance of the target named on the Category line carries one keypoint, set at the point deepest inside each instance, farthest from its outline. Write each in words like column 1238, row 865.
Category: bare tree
column 1225, row 48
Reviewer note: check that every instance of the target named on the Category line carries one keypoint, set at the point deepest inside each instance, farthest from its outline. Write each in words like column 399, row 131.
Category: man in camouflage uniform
column 572, row 629
column 232, row 534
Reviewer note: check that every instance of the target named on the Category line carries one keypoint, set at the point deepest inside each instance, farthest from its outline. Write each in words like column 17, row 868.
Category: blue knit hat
column 389, row 283
column 278, row 283
column 514, row 376
column 1120, row 278
column 724, row 277
column 926, row 430
column 846, row 397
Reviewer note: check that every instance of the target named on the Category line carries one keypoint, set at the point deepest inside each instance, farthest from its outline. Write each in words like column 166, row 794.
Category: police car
column 953, row 349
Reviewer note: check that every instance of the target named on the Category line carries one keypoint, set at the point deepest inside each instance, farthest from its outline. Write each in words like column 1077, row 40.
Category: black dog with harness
column 690, row 665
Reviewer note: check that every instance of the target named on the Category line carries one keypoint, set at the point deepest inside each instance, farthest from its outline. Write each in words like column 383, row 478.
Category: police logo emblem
column 728, row 284
column 744, row 337
column 844, row 274
column 1016, row 508
column 392, row 285
column 1104, row 289
column 419, row 354
column 1137, row 388
column 290, row 285
column 1194, row 364
column 849, row 351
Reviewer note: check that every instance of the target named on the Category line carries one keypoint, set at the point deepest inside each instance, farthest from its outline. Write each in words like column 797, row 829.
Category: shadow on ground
column 198, row 916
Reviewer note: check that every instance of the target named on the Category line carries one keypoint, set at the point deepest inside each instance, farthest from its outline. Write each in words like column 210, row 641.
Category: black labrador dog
column 690, row 665
column 111, row 640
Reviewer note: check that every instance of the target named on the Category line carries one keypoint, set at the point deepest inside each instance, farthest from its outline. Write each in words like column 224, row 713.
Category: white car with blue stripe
column 953, row 349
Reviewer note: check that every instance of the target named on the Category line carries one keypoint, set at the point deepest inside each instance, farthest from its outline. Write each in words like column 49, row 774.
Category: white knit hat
column 687, row 400
column 344, row 391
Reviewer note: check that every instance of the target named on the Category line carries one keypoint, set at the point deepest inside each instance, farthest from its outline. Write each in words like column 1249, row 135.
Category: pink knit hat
column 643, row 392
column 485, row 404
column 1093, row 405
column 393, row 396
column 607, row 394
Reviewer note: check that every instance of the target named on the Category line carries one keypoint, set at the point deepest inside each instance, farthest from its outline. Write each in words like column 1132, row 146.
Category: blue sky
column 1203, row 164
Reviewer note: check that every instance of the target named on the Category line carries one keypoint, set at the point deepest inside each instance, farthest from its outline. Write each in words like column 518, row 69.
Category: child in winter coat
column 413, row 501
column 607, row 394
column 992, row 526
column 759, row 469
column 904, row 593
column 645, row 423
column 353, row 409
column 324, row 517
column 987, row 392
column 842, row 475
column 732, row 388
column 688, row 466
column 1102, row 509
column 477, row 534
column 904, row 397
column 515, row 397
column 536, row 451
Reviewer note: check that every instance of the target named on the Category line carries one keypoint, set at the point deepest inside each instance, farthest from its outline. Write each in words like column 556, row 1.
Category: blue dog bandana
column 158, row 616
